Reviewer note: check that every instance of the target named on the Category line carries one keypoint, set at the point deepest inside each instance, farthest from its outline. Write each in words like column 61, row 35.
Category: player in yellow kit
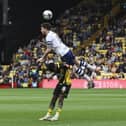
column 61, row 90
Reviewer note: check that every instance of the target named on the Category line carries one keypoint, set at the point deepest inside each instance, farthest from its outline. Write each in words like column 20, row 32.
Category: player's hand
column 40, row 60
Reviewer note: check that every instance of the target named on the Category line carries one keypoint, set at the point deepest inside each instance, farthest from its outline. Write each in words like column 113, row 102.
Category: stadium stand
column 77, row 24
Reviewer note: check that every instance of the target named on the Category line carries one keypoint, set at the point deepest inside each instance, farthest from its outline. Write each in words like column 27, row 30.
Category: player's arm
column 42, row 59
column 43, row 44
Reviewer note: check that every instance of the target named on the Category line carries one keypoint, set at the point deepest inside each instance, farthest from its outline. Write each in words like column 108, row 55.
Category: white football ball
column 47, row 14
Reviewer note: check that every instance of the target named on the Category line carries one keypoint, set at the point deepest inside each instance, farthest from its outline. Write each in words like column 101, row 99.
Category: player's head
column 55, row 67
column 52, row 67
column 45, row 27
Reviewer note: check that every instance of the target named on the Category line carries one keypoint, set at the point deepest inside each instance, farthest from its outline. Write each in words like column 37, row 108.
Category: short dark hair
column 46, row 26
column 52, row 67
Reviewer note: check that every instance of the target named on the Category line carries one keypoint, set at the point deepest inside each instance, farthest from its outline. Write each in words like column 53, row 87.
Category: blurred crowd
column 24, row 70
column 80, row 22
column 74, row 26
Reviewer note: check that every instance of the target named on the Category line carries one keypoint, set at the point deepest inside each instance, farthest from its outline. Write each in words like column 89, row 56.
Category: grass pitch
column 95, row 107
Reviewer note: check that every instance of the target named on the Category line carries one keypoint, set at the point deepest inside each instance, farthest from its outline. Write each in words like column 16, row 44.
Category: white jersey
column 55, row 43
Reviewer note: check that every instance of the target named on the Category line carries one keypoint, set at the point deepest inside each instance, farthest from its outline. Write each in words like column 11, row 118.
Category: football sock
column 49, row 111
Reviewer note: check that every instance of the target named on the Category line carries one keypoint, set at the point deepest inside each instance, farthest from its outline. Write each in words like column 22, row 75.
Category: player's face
column 43, row 31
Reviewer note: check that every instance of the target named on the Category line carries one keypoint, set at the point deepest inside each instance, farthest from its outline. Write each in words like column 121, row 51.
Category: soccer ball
column 47, row 14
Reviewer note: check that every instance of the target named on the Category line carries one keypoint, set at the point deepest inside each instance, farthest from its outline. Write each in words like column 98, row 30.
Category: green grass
column 95, row 107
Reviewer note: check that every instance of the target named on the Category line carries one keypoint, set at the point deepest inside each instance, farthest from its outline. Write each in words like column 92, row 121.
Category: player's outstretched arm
column 42, row 59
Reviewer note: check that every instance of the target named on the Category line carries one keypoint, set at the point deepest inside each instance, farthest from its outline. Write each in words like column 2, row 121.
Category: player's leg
column 91, row 84
column 82, row 63
column 81, row 73
column 52, row 103
column 90, row 81
column 64, row 93
column 50, row 109
column 70, row 59
column 59, row 108
column 78, row 70
column 65, row 84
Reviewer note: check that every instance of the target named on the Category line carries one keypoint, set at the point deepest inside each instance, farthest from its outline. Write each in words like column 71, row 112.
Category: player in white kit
column 54, row 43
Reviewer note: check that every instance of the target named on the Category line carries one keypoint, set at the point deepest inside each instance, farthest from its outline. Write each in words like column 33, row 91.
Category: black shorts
column 62, row 89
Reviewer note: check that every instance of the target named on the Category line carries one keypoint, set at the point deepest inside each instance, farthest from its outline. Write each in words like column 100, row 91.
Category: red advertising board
column 80, row 83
